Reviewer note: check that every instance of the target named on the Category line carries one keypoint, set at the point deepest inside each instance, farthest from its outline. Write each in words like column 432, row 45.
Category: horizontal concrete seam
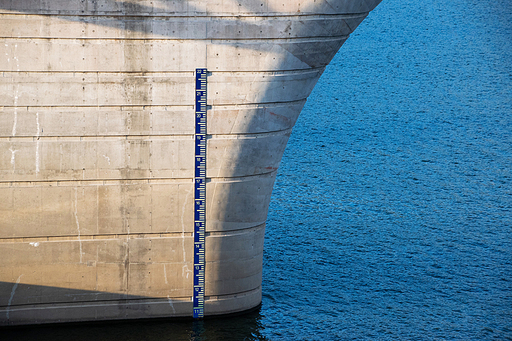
column 270, row 73
column 95, row 182
column 134, row 137
column 243, row 178
column 211, row 107
column 204, row 39
column 249, row 135
column 96, row 237
column 227, row 296
column 183, row 74
column 128, row 107
column 253, row 105
column 235, row 232
column 102, row 303
column 208, row 16
column 70, row 138
column 224, row 105
column 132, row 107
column 78, row 73
column 253, row 257
column 146, row 235
column 85, row 138
column 130, row 182
column 149, row 40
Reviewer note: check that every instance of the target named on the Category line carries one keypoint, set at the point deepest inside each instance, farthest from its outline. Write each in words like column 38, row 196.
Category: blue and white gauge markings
column 199, row 193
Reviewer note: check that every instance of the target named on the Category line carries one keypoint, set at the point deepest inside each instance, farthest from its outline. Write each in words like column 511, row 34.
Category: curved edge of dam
column 97, row 148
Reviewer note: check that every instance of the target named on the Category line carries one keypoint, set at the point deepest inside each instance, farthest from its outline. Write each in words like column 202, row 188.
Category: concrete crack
column 77, row 223
column 13, row 291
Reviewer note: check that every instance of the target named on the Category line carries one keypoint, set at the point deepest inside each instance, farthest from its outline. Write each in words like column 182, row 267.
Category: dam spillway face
column 97, row 147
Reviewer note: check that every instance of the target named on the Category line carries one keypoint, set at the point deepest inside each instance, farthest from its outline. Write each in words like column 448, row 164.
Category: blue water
column 391, row 217
column 392, row 213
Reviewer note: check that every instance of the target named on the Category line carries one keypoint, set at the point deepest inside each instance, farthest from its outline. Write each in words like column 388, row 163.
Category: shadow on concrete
column 246, row 326
column 240, row 326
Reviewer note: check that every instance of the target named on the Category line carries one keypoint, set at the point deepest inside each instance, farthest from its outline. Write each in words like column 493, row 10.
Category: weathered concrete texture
column 97, row 147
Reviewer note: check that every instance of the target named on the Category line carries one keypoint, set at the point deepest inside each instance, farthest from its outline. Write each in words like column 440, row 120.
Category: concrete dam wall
column 97, row 110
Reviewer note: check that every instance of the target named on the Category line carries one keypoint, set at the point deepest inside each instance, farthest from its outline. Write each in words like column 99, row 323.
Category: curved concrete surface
column 97, row 147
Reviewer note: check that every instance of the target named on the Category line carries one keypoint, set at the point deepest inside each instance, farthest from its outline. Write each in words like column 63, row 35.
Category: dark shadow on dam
column 242, row 326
